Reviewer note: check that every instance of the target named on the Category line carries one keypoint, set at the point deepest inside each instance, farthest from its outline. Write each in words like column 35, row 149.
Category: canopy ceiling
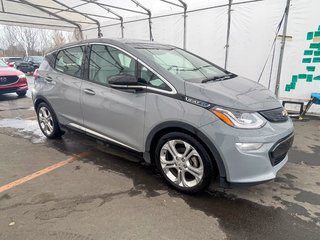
column 80, row 14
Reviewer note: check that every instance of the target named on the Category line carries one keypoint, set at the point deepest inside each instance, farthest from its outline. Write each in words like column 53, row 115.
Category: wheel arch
column 170, row 126
column 38, row 100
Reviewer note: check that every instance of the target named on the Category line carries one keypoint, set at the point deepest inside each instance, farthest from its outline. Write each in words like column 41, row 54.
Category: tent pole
column 185, row 7
column 228, row 35
column 283, row 42
column 120, row 18
column 149, row 17
column 76, row 11
column 122, row 27
column 55, row 15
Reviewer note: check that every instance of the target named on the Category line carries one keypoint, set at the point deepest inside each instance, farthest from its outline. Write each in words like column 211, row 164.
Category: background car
column 29, row 64
column 12, row 80
column 12, row 61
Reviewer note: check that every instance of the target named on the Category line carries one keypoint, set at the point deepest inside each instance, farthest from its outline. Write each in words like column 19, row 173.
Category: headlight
column 239, row 119
column 22, row 76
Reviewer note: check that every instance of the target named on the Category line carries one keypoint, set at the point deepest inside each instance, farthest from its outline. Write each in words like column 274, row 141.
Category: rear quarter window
column 69, row 61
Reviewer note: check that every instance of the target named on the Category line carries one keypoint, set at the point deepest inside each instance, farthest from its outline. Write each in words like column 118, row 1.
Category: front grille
column 275, row 115
column 280, row 150
column 7, row 80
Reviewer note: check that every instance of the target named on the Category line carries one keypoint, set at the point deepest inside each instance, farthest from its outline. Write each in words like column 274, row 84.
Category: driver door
column 113, row 114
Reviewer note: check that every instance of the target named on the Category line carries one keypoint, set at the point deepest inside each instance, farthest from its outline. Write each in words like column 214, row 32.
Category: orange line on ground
column 42, row 172
column 30, row 118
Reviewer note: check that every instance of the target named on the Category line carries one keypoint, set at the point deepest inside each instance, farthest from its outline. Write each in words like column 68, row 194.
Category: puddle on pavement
column 26, row 128
column 301, row 157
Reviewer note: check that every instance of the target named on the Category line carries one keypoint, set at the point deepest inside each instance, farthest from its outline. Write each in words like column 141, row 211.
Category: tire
column 21, row 94
column 48, row 121
column 191, row 162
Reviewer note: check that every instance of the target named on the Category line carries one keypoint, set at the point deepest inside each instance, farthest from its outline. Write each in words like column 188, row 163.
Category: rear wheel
column 183, row 162
column 48, row 121
column 22, row 93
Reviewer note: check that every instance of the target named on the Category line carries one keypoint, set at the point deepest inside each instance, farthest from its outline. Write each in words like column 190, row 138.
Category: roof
column 133, row 43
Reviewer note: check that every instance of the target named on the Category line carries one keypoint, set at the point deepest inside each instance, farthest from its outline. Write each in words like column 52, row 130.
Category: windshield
column 184, row 65
column 2, row 64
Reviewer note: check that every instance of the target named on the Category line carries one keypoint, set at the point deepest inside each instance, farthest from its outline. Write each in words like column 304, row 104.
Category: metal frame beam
column 38, row 24
column 53, row 14
column 82, row 14
column 89, row 14
column 40, row 17
column 70, row 8
column 120, row 18
column 185, row 8
column 149, row 17
column 59, row 9
column 115, row 7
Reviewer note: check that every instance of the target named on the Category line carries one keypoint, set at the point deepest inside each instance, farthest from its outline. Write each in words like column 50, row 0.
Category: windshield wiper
column 194, row 69
column 220, row 78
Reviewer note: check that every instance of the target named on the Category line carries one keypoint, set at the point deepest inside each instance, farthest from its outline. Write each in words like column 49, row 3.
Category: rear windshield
column 37, row 58
column 184, row 65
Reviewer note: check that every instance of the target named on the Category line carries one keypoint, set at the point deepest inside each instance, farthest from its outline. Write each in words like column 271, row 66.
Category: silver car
column 192, row 119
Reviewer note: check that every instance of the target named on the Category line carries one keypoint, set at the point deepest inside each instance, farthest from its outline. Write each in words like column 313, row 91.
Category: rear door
column 113, row 114
column 64, row 85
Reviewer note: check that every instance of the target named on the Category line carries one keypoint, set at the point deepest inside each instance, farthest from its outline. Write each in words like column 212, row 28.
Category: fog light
column 248, row 146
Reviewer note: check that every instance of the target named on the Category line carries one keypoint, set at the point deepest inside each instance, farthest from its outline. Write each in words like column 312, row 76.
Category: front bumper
column 251, row 166
column 13, row 89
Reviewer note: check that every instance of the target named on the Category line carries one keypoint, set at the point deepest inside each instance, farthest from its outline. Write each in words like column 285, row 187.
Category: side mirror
column 123, row 81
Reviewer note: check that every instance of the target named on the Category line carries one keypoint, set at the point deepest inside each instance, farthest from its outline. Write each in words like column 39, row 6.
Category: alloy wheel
column 46, row 120
column 181, row 163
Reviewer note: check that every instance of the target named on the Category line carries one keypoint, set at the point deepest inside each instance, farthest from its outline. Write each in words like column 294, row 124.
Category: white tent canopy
column 80, row 14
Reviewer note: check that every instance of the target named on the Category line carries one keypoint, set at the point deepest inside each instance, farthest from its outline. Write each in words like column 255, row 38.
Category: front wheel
column 48, row 121
column 183, row 162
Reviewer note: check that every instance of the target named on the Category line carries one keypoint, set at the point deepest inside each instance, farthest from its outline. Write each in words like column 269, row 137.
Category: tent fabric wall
column 304, row 19
column 253, row 30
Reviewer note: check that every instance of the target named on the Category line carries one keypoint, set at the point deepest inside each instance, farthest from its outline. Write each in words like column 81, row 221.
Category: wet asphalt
column 111, row 194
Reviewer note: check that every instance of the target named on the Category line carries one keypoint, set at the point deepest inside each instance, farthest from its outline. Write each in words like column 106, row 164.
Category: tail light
column 11, row 64
column 35, row 74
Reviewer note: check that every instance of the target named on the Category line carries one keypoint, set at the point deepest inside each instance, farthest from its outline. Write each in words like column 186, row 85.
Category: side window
column 106, row 62
column 69, row 61
column 51, row 59
column 152, row 80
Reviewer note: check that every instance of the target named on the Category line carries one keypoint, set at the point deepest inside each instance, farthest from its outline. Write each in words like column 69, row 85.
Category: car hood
column 9, row 71
column 237, row 93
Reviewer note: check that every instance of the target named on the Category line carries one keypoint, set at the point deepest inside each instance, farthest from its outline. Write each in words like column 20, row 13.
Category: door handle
column 89, row 91
column 49, row 79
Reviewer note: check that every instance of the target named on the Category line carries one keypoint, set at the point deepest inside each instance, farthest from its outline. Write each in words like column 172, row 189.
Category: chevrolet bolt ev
column 194, row 120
